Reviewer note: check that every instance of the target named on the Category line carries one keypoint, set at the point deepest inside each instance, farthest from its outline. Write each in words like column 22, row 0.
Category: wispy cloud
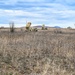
column 49, row 12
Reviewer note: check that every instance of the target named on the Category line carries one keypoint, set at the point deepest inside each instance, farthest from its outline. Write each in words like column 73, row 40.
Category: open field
column 46, row 52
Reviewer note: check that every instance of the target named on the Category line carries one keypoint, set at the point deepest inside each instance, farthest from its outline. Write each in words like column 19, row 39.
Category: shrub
column 43, row 27
column 69, row 28
column 46, row 28
column 35, row 29
column 12, row 27
column 28, row 26
column 57, row 31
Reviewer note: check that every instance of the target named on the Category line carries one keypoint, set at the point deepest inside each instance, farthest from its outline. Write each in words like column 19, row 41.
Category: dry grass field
column 46, row 52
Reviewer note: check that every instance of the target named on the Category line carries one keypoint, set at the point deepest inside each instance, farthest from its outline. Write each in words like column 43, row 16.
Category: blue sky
column 48, row 12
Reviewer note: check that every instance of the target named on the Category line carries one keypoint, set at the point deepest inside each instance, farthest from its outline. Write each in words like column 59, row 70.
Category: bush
column 35, row 29
column 43, row 27
column 46, row 28
column 28, row 26
column 69, row 28
column 12, row 29
column 57, row 31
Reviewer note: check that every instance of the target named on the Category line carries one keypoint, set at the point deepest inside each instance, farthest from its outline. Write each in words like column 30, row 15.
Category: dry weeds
column 37, row 53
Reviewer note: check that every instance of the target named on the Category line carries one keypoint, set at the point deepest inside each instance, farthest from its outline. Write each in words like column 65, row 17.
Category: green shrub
column 43, row 27
column 46, row 28
column 28, row 26
column 35, row 29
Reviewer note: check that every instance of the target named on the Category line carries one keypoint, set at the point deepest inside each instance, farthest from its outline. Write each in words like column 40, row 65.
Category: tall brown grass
column 37, row 53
